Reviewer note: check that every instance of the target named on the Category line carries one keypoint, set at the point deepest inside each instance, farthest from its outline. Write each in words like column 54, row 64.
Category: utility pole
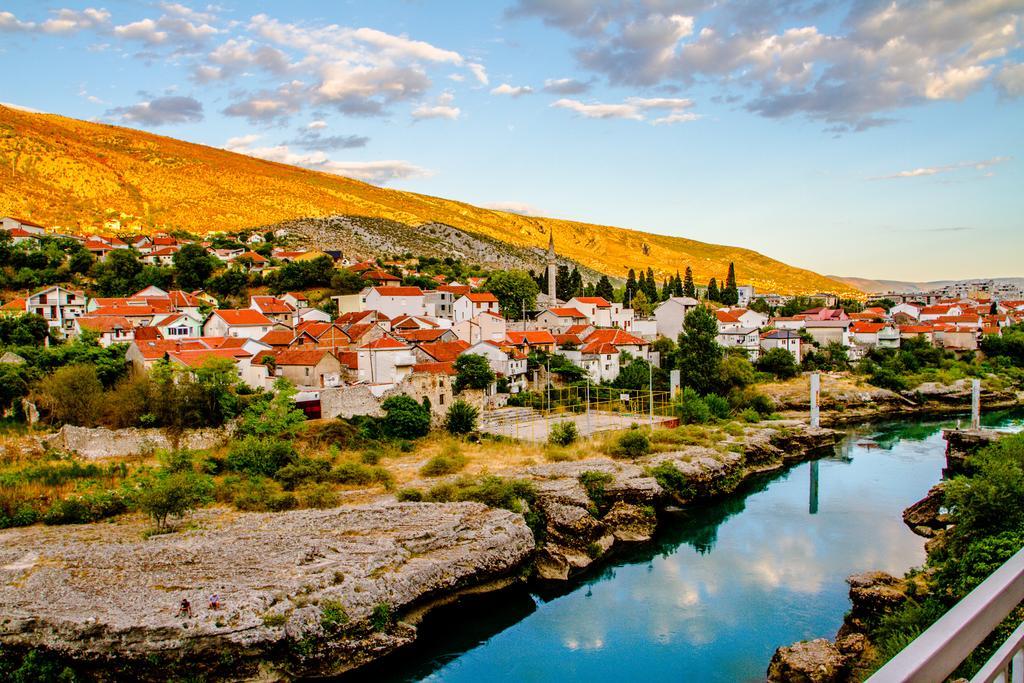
column 588, row 406
column 650, row 390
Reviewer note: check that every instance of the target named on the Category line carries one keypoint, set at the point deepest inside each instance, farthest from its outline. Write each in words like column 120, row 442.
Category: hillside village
column 392, row 329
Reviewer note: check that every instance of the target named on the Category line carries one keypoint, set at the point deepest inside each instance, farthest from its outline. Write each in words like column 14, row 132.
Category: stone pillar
column 975, row 404
column 815, row 387
column 674, row 379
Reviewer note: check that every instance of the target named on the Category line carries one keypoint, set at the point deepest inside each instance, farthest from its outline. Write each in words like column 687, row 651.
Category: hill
column 78, row 175
column 881, row 286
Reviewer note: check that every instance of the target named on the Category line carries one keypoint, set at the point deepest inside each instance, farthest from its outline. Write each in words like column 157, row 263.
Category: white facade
column 671, row 313
column 394, row 301
column 59, row 306
column 469, row 306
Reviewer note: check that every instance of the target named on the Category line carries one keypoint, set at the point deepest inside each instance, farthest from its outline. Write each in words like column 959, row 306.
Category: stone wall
column 100, row 442
column 358, row 399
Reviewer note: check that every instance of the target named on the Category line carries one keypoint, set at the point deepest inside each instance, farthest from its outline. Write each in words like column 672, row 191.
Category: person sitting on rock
column 214, row 601
column 186, row 608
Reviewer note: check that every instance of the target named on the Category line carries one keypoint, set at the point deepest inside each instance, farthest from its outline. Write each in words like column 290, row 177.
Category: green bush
column 778, row 362
column 302, row 471
column 410, row 496
column 361, row 475
column 318, row 496
column 461, row 417
column 718, row 406
column 406, row 419
column 670, row 478
column 691, row 408
column 258, row 456
column 90, row 507
column 595, row 483
column 563, row 434
column 750, row 415
column 448, row 462
column 381, row 618
column 632, row 444
column 263, row 495
column 332, row 614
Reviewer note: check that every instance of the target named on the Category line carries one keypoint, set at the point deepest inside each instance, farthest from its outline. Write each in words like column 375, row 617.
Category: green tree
column 172, row 494
column 273, row 415
column 689, row 289
column 713, row 293
column 730, row 293
column 631, row 287
column 116, row 275
column 515, row 290
column 72, row 395
column 406, row 419
column 779, row 362
column 650, row 286
column 604, row 289
column 231, row 282
column 461, row 417
column 473, row 372
column 193, row 266
column 698, row 356
column 642, row 305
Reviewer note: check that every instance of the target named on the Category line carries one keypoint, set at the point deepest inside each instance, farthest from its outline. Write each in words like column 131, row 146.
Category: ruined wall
column 100, row 442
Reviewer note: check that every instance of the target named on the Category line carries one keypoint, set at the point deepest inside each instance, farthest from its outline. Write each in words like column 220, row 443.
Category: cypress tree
column 588, row 290
column 631, row 286
column 666, row 288
column 677, row 286
column 651, row 286
column 563, row 284
column 730, row 294
column 689, row 289
column 713, row 294
column 576, row 281
column 604, row 289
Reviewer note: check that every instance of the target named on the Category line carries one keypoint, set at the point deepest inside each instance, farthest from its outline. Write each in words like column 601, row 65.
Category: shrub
column 275, row 619
column 302, row 471
column 778, row 362
column 563, row 434
column 632, row 444
column 595, row 484
column 670, row 478
column 260, row 456
column 263, row 495
column 750, row 415
column 750, row 398
column 410, row 496
column 361, row 475
column 318, row 496
column 718, row 406
column 172, row 494
column 273, row 415
column 444, row 463
column 332, row 614
column 87, row 508
column 340, row 433
column 406, row 419
column 72, row 394
column 461, row 418
column 691, row 408
column 473, row 372
column 381, row 618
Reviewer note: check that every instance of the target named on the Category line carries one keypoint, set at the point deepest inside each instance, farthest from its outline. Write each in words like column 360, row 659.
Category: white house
column 783, row 339
column 913, row 310
column 274, row 308
column 745, row 294
column 230, row 322
column 504, row 361
column 394, row 301
column 58, row 305
column 602, row 313
column 671, row 313
column 385, row 361
column 470, row 305
column 745, row 338
column 560, row 318
column 179, row 326
column 110, row 329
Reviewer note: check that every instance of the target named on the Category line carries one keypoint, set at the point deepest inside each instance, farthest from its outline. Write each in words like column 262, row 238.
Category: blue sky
column 873, row 139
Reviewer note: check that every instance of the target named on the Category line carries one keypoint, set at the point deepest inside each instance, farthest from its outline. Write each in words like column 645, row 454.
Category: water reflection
column 721, row 588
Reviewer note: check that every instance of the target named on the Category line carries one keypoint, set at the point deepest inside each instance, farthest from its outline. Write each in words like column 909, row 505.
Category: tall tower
column 552, row 270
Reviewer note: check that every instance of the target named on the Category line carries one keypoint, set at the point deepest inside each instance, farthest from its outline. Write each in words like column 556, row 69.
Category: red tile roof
column 598, row 301
column 481, row 297
column 422, row 335
column 615, row 336
column 242, row 317
column 445, row 351
column 104, row 323
column 455, row 290
column 530, row 337
column 17, row 304
column 253, row 256
column 385, row 343
column 399, row 291
column 602, row 348
column 567, row 312
column 863, row 327
column 436, row 368
column 271, row 305
column 278, row 337
column 152, row 349
column 198, row 357
column 302, row 357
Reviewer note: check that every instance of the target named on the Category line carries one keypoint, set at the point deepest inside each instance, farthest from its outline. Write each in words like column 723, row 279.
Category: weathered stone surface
column 875, row 593
column 813, row 661
column 961, row 444
column 100, row 442
column 630, row 523
column 925, row 517
column 99, row 592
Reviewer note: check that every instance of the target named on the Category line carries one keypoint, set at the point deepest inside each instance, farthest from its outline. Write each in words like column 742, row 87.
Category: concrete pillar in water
column 975, row 404
column 674, row 380
column 815, row 387
column 812, row 506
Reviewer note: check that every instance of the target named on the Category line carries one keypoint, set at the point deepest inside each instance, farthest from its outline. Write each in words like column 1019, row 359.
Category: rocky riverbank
column 321, row 592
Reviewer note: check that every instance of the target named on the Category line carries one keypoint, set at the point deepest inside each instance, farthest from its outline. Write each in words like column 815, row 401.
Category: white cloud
column 316, row 125
column 479, row 73
column 63, row 21
column 436, row 112
column 145, row 30
column 565, row 86
column 599, row 110
column 1011, row 80
column 161, row 111
column 521, row 208
column 777, row 58
column 676, row 117
column 948, row 168
column 377, row 172
column 512, row 90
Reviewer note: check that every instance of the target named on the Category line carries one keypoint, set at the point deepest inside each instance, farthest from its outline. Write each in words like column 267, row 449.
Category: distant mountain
column 880, row 286
column 77, row 175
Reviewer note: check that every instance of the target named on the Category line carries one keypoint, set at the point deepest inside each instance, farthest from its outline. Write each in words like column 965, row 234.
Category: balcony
column 937, row 652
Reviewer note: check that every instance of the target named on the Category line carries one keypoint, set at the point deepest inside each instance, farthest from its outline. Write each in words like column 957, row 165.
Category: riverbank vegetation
column 987, row 529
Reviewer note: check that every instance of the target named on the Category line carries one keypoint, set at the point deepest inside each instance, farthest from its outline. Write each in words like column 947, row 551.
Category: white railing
column 937, row 652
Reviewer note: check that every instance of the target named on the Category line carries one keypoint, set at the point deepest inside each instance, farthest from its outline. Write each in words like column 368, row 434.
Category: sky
column 873, row 139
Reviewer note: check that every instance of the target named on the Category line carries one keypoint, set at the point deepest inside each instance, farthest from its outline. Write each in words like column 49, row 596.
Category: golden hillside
column 77, row 176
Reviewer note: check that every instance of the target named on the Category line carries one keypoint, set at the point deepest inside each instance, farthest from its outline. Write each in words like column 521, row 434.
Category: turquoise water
column 719, row 591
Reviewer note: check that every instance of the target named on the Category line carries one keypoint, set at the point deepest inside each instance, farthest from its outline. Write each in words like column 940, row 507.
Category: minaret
column 552, row 270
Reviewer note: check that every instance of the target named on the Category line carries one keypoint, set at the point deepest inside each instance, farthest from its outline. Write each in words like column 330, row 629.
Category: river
column 722, row 587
